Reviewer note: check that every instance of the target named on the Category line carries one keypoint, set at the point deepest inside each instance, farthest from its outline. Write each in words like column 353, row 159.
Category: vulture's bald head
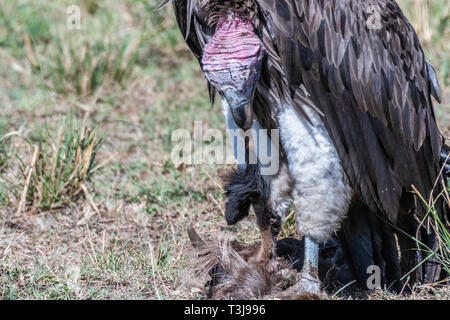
column 232, row 62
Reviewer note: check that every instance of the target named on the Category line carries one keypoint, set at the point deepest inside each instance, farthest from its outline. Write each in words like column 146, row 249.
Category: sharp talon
column 309, row 284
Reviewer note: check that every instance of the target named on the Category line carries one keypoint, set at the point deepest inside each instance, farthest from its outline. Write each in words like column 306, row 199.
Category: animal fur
column 244, row 186
column 232, row 272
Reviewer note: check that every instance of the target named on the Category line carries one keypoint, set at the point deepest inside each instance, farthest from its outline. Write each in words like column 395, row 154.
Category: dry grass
column 118, row 232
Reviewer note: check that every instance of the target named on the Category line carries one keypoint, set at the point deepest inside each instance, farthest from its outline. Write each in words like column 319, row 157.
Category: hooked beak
column 241, row 108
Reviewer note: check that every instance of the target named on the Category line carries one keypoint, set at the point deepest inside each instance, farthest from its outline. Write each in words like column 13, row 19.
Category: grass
column 91, row 206
column 441, row 229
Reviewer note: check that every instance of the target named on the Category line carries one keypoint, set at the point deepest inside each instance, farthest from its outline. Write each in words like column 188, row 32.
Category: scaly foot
column 307, row 288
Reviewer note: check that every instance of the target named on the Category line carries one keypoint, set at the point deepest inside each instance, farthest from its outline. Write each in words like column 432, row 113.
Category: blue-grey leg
column 311, row 262
column 309, row 277
column 307, row 285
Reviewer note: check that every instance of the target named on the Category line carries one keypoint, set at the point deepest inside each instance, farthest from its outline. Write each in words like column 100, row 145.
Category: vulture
column 359, row 141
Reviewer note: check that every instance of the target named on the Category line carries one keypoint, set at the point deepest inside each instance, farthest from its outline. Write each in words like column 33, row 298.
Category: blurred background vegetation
column 90, row 204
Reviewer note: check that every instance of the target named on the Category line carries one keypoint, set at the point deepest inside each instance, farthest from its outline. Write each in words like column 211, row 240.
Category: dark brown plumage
column 373, row 87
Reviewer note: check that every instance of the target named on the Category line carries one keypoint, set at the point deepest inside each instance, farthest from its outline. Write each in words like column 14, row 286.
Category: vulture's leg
column 310, row 273
column 321, row 194
column 308, row 285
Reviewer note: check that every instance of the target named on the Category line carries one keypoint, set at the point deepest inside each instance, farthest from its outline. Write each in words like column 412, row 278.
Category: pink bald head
column 233, row 52
column 232, row 60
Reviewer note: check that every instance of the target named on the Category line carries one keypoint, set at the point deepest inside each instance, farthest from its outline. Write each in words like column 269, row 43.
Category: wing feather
column 373, row 87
